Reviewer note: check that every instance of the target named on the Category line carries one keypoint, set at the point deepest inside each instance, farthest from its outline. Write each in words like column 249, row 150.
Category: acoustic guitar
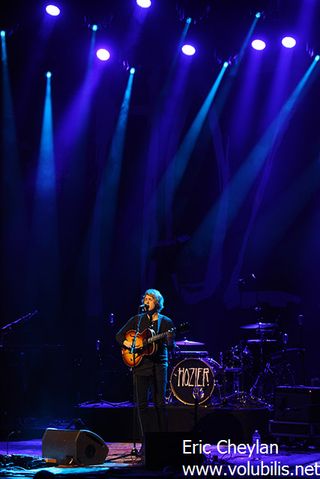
column 144, row 344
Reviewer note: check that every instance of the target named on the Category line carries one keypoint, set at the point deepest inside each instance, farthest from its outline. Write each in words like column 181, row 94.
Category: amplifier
column 294, row 429
column 297, row 404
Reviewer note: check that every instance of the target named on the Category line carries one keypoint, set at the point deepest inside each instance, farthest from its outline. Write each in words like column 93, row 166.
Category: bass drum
column 193, row 380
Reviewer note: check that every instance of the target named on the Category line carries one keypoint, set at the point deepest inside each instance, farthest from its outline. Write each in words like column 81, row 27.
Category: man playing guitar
column 149, row 361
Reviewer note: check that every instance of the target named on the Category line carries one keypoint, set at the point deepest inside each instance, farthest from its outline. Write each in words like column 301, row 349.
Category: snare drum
column 193, row 380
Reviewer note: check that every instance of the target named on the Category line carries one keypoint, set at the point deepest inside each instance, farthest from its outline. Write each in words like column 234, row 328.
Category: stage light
column 188, row 20
column 132, row 71
column 103, row 54
column 3, row 34
column 94, row 27
column 317, row 58
column 288, row 42
column 188, row 50
column 53, row 10
column 144, row 3
column 258, row 44
column 258, row 14
column 48, row 74
column 226, row 64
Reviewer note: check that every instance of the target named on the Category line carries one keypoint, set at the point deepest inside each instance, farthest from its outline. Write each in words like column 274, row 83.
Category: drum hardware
column 238, row 366
column 274, row 367
column 267, row 370
column 238, row 356
column 238, row 395
column 193, row 380
column 282, row 353
column 252, row 369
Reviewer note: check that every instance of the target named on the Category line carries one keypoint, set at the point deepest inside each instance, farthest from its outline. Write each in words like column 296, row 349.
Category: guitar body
column 142, row 347
column 145, row 344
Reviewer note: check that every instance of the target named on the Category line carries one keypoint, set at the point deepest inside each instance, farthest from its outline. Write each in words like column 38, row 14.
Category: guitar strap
column 139, row 318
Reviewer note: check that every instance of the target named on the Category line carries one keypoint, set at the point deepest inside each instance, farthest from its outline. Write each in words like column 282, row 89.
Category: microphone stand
column 136, row 411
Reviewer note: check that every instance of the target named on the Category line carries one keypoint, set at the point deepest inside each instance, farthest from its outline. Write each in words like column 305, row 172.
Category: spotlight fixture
column 132, row 71
column 317, row 58
column 144, row 3
column 197, row 10
column 188, row 50
column 289, row 42
column 103, row 54
column 258, row 44
column 53, row 10
column 48, row 74
column 3, row 34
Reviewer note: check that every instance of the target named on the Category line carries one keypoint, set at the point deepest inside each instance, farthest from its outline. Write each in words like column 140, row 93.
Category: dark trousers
column 155, row 382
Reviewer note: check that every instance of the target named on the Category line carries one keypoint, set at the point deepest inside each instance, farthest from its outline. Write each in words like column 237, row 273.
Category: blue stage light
column 144, row 3
column 188, row 50
column 53, row 10
column 258, row 44
column 103, row 54
column 289, row 42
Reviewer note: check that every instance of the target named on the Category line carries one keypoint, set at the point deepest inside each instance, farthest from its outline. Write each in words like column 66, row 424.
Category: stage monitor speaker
column 69, row 446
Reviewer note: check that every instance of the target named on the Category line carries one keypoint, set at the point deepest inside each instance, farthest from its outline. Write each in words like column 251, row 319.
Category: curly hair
column 157, row 296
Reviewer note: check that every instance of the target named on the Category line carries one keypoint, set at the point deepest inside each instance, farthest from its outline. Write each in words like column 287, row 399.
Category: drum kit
column 245, row 375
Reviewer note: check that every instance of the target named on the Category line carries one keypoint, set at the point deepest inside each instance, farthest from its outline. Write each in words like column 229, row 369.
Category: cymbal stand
column 238, row 396
column 264, row 371
column 259, row 380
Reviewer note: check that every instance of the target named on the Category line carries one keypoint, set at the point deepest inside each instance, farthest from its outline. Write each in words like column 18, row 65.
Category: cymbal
column 186, row 342
column 259, row 326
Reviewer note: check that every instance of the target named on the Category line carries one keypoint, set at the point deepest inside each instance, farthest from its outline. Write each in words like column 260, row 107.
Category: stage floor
column 23, row 459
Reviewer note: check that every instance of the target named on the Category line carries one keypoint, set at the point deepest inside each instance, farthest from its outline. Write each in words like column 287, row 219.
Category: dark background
column 223, row 256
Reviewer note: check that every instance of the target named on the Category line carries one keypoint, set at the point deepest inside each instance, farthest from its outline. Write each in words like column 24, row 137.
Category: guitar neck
column 158, row 336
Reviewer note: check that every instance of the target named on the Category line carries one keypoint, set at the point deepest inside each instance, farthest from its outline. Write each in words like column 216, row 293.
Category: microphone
column 144, row 307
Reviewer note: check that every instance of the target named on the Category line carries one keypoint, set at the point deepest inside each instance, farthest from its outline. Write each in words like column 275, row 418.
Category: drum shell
column 193, row 380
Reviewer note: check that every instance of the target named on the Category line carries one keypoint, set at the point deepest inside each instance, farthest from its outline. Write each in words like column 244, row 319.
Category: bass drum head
column 193, row 380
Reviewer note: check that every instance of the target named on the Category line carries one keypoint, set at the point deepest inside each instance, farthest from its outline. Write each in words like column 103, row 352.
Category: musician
column 150, row 375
